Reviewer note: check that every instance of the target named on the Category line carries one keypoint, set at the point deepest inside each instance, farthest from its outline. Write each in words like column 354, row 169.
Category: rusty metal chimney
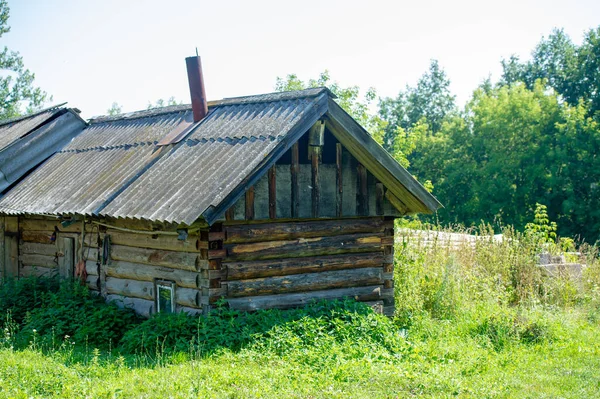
column 197, row 93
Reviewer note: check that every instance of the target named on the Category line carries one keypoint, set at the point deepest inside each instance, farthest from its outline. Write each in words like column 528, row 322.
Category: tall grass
column 478, row 319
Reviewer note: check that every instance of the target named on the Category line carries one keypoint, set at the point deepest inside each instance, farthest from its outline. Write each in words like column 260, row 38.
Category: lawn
column 480, row 321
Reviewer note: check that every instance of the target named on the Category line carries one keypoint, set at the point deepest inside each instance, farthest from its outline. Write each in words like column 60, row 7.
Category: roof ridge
column 259, row 98
column 23, row 117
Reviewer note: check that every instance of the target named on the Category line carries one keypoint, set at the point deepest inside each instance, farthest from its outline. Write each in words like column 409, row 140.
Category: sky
column 94, row 53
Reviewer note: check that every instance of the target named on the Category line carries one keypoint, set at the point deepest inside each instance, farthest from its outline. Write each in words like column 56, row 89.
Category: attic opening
column 328, row 154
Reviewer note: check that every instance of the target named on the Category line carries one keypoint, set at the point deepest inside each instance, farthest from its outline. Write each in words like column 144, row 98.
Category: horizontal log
column 279, row 267
column 303, row 247
column 130, row 288
column 36, row 248
column 211, row 295
column 90, row 253
column 187, row 297
column 48, row 225
column 37, row 271
column 38, row 260
column 143, row 307
column 292, row 230
column 93, row 282
column 166, row 242
column 156, row 257
column 43, row 237
column 305, row 282
column 92, row 268
column 136, row 271
column 284, row 301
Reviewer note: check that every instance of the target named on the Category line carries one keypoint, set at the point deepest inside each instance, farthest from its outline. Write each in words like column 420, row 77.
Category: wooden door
column 66, row 263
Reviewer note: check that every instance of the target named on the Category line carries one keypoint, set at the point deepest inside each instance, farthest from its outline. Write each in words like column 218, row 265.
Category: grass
column 471, row 322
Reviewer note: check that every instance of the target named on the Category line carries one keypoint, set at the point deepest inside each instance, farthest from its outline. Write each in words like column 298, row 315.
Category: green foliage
column 428, row 103
column 347, row 97
column 44, row 310
column 115, row 109
column 160, row 103
column 541, row 230
column 16, row 82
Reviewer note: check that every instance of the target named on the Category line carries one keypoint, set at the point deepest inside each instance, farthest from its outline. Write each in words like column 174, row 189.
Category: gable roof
column 117, row 168
column 28, row 140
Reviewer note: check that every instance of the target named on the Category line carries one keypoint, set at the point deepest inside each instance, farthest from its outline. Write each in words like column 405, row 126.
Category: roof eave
column 379, row 162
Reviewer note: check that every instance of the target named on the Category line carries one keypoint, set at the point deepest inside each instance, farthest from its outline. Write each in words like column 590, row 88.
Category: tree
column 16, row 82
column 347, row 97
column 429, row 102
column 163, row 103
column 572, row 71
column 115, row 109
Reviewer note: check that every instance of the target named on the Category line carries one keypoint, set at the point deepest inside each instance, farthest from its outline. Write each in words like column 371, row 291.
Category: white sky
column 92, row 53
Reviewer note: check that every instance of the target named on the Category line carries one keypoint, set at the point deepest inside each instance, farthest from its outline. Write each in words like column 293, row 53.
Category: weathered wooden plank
column 38, row 271
column 188, row 297
column 304, row 247
column 379, row 198
column 48, row 225
column 230, row 214
column 243, row 233
column 35, row 248
column 165, row 242
column 130, row 288
column 140, row 272
column 305, row 282
column 283, row 267
column 362, row 195
column 272, row 193
column 11, row 255
column 38, row 260
column 339, row 201
column 143, row 307
column 315, row 183
column 284, row 301
column 396, row 203
column 44, row 237
column 250, row 203
column 156, row 257
column 294, row 170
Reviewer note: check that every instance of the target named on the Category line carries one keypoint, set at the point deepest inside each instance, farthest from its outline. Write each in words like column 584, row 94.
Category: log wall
column 282, row 265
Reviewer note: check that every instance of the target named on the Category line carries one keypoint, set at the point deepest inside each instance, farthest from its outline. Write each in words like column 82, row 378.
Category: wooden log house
column 267, row 201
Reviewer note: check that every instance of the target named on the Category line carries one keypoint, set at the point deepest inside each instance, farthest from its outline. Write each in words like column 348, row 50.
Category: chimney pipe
column 199, row 103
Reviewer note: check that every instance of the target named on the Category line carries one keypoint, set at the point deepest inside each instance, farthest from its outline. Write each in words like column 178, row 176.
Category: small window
column 165, row 296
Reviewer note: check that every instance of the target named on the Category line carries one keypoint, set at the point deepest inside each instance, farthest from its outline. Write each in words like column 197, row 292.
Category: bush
column 21, row 296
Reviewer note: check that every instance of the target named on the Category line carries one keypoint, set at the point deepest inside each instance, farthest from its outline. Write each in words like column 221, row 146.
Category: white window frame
column 167, row 286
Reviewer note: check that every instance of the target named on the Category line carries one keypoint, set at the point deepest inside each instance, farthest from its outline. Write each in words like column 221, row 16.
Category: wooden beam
column 396, row 203
column 362, row 196
column 261, row 232
column 338, row 179
column 245, row 270
column 294, row 170
column 283, row 301
column 229, row 214
column 272, row 193
column 11, row 247
column 306, row 282
column 379, row 196
column 250, row 203
column 316, row 193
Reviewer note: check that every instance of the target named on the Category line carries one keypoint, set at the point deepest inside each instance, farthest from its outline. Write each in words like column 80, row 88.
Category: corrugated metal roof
column 114, row 168
column 227, row 145
column 13, row 129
